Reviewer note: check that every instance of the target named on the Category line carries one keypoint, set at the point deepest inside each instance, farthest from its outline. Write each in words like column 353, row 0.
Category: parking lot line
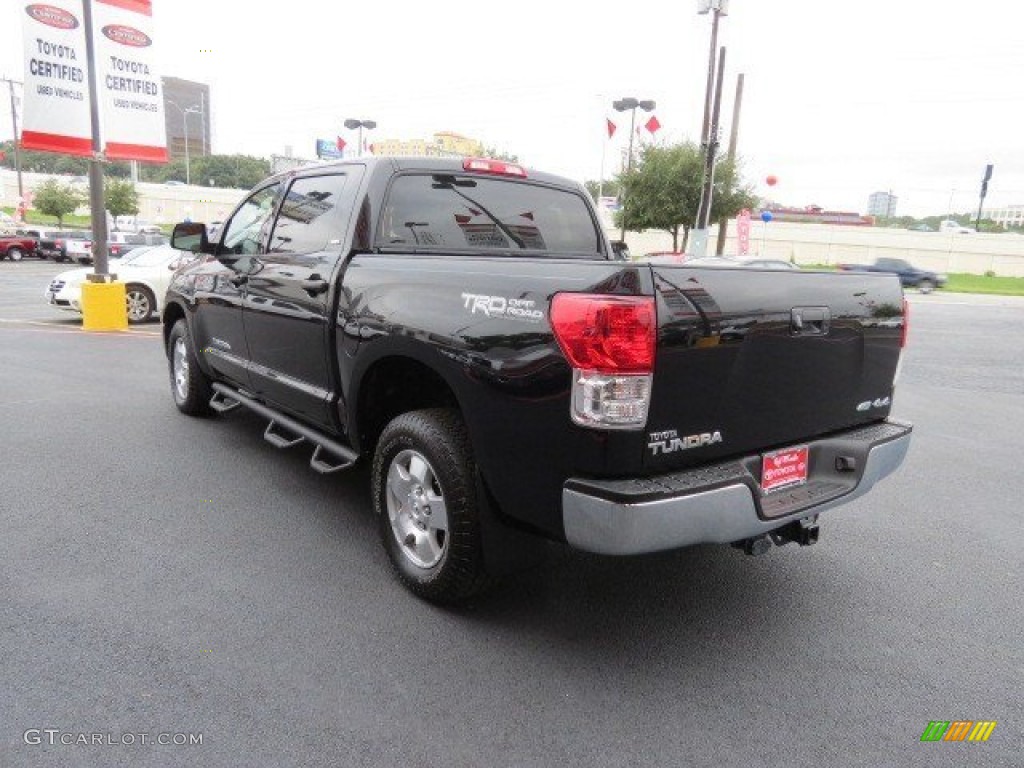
column 42, row 326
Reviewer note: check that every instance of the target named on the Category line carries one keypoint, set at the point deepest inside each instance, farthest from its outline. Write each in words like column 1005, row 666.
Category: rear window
column 448, row 211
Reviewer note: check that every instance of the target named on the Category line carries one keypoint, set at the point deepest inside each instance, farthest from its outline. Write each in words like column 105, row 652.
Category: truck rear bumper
column 723, row 503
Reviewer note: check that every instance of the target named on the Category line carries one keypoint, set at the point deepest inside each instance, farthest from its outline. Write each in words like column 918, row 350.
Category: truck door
column 220, row 290
column 289, row 297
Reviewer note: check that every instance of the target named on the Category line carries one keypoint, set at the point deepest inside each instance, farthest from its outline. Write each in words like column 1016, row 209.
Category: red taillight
column 58, row 243
column 498, row 167
column 606, row 334
column 87, row 244
column 906, row 324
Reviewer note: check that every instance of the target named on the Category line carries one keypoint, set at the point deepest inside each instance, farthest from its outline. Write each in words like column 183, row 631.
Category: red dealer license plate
column 784, row 468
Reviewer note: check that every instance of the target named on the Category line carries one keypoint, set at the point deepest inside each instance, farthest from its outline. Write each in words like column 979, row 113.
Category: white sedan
column 146, row 273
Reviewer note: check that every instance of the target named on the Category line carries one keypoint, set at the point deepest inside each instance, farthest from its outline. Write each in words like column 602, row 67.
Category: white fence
column 975, row 253
column 158, row 203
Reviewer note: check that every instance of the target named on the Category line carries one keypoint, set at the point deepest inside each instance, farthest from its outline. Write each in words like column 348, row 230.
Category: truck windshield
column 448, row 211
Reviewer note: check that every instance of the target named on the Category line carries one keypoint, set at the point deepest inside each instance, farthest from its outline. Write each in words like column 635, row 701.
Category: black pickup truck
column 466, row 327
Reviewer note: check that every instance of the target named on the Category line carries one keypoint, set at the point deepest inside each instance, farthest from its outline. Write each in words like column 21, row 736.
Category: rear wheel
column 191, row 387
column 140, row 302
column 926, row 286
column 15, row 254
column 425, row 500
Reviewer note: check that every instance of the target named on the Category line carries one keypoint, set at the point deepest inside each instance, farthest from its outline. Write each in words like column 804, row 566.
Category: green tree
column 662, row 191
column 120, row 198
column 56, row 199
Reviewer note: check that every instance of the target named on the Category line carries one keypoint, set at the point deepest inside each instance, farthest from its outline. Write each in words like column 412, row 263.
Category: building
column 444, row 144
column 187, row 111
column 882, row 204
column 1010, row 216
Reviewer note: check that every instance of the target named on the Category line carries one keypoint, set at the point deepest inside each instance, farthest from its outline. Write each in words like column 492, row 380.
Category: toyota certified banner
column 130, row 91
column 56, row 112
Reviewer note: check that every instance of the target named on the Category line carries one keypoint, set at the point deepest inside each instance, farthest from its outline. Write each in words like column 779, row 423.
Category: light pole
column 360, row 124
column 621, row 105
column 709, row 131
column 193, row 110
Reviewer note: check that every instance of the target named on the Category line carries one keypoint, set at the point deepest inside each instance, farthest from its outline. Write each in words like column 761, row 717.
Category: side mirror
column 189, row 236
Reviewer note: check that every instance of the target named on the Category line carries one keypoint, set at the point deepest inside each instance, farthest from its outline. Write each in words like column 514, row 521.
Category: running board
column 222, row 403
column 226, row 399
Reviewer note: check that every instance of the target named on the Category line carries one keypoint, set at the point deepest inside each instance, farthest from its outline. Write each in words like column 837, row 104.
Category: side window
column 242, row 235
column 312, row 219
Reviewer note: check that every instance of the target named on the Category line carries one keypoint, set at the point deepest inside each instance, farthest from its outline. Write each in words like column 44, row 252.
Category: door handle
column 314, row 286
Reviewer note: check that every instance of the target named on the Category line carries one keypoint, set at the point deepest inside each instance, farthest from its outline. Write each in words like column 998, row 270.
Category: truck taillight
column 610, row 342
column 497, row 167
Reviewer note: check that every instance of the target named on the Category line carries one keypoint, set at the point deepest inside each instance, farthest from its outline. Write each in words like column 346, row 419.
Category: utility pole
column 731, row 156
column 700, row 231
column 984, row 191
column 14, row 128
column 709, row 131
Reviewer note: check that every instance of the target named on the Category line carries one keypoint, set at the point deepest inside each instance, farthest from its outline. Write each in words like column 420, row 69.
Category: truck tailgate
column 750, row 360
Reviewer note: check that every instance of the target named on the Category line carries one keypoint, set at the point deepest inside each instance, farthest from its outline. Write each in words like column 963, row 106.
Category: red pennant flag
column 341, row 144
column 652, row 125
column 462, row 218
column 611, row 127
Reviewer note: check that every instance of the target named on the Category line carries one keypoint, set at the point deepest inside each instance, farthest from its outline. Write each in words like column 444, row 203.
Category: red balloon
column 772, row 181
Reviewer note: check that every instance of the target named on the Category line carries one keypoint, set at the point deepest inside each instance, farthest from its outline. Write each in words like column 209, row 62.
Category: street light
column 193, row 110
column 621, row 105
column 360, row 124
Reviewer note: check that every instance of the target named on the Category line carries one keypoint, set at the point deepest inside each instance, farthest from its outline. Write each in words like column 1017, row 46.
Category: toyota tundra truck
column 465, row 328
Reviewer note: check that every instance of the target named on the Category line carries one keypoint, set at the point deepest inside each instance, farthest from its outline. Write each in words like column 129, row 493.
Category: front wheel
column 425, row 501
column 926, row 286
column 189, row 385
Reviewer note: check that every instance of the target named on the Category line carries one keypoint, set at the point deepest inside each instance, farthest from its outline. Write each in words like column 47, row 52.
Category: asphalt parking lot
column 169, row 576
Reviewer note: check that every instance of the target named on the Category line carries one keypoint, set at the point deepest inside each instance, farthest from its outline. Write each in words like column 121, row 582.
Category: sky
column 840, row 99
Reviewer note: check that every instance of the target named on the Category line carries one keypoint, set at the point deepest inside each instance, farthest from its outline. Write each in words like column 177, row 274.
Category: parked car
column 463, row 327
column 146, row 272
column 768, row 264
column 118, row 244
column 53, row 244
column 17, row 246
column 665, row 256
column 135, row 225
column 910, row 276
column 951, row 227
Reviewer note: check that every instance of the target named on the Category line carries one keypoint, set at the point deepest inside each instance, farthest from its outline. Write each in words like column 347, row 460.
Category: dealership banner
column 56, row 111
column 130, row 91
column 743, row 231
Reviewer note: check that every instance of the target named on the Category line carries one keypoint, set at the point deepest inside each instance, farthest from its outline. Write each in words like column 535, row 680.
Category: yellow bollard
column 104, row 307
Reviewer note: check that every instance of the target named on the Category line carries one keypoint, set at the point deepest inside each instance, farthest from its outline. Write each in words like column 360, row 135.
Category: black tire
column 15, row 253
column 139, row 303
column 437, row 436
column 192, row 396
column 926, row 286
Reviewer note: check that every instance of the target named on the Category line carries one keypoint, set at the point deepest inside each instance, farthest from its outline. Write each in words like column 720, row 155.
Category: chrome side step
column 285, row 432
